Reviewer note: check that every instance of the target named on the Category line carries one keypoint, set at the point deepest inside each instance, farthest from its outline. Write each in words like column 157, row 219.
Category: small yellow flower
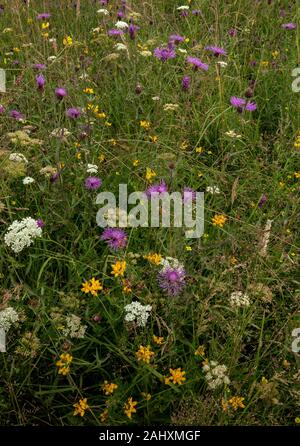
column 64, row 363
column 275, row 54
column 126, row 287
column 80, row 407
column 219, row 220
column 158, row 339
column 184, row 145
column 45, row 25
column 150, row 174
column 130, row 407
column 104, row 416
column 297, row 420
column 67, row 41
column 153, row 138
column 78, row 155
column 200, row 351
column 146, row 396
column 88, row 90
column 188, row 248
column 145, row 125
column 135, row 162
column 144, row 354
column 176, row 376
column 236, row 402
column 108, row 388
column 92, row 286
column 118, row 268
column 286, row 363
column 297, row 175
column 155, row 259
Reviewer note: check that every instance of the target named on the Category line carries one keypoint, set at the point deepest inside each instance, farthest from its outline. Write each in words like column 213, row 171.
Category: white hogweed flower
column 136, row 312
column 215, row 374
column 239, row 299
column 17, row 157
column 8, row 317
column 21, row 233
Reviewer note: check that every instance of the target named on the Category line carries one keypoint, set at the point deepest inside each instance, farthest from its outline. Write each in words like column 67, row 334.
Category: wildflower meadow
column 105, row 321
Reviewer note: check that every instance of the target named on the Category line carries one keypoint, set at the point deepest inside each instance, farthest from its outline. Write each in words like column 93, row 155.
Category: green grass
column 45, row 279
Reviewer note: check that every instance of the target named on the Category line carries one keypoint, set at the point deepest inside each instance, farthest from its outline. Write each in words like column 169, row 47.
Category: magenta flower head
column 15, row 114
column 232, row 32
column 188, row 194
column 172, row 280
column 39, row 66
column 73, row 112
column 115, row 32
column 262, row 201
column 241, row 104
column 132, row 29
column 197, row 63
column 44, row 16
column 164, row 53
column 216, row 50
column 160, row 188
column 186, row 81
column 40, row 223
column 175, row 39
column 40, row 81
column 115, row 238
column 60, row 92
column 92, row 183
column 288, row 25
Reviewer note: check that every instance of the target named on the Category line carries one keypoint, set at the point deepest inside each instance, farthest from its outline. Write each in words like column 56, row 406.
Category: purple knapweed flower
column 262, row 201
column 188, row 194
column 196, row 12
column 157, row 188
column 60, row 92
column 92, row 183
column 40, row 81
column 175, row 39
column 164, row 53
column 218, row 51
column 186, row 81
column 54, row 177
column 120, row 14
column 114, row 32
column 39, row 66
column 241, row 104
column 232, row 32
column 115, row 238
column 44, row 16
column 197, row 63
column 132, row 29
column 172, row 280
column 15, row 114
column 40, row 223
column 288, row 25
column 73, row 112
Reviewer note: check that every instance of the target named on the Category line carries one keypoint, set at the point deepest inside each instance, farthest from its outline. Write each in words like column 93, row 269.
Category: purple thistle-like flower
column 92, row 183
column 132, row 29
column 60, row 92
column 262, row 201
column 197, row 63
column 175, row 39
column 40, row 81
column 232, row 32
column 186, row 81
column 241, row 104
column 15, row 114
column 172, row 280
column 120, row 14
column 115, row 238
column 115, row 32
column 39, row 66
column 188, row 194
column 251, row 106
column 73, row 112
column 288, row 25
column 157, row 188
column 40, row 223
column 218, row 51
column 44, row 16
column 164, row 53
column 184, row 13
column 196, row 12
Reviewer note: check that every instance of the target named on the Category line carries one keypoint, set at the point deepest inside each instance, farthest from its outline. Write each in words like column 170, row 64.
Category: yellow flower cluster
column 95, row 109
column 158, row 340
column 235, row 403
column 176, row 376
column 219, row 220
column 145, row 125
column 144, row 354
column 155, row 259
column 67, row 41
column 92, row 286
column 80, row 407
column 108, row 388
column 150, row 174
column 64, row 363
column 297, row 141
column 129, row 407
column 200, row 351
column 118, row 268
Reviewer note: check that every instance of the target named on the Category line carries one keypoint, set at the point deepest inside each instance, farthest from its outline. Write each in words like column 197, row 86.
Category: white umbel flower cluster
column 17, row 157
column 215, row 374
column 92, row 168
column 21, row 233
column 171, row 263
column 214, row 190
column 8, row 317
column 136, row 312
column 121, row 25
column 73, row 328
column 28, row 180
column 239, row 299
